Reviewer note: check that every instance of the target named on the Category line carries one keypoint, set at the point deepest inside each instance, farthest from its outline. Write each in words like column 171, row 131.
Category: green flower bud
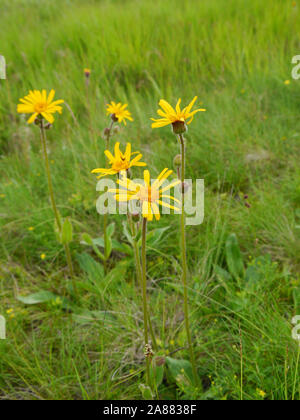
column 135, row 216
column 179, row 127
column 177, row 161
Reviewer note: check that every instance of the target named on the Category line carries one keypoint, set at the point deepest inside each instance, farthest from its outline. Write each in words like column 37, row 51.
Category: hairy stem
column 105, row 217
column 144, row 287
column 139, row 276
column 184, row 264
column 54, row 207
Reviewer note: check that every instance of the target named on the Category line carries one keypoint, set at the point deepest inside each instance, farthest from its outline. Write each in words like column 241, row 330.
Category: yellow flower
column 43, row 257
column 287, row 82
column 37, row 103
column 31, row 228
column 148, row 194
column 2, row 195
column 261, row 393
column 119, row 112
column 172, row 116
column 10, row 313
column 120, row 161
column 87, row 72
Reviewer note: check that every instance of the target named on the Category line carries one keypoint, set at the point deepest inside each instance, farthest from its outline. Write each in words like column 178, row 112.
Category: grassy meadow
column 244, row 266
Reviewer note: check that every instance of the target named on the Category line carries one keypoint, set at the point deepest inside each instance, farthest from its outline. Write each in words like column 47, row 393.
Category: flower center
column 121, row 165
column 40, row 107
column 148, row 194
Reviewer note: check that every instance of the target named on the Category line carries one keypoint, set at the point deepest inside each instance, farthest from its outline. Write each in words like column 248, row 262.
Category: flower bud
column 87, row 73
column 135, row 216
column 177, row 161
column 106, row 132
column 179, row 127
column 48, row 126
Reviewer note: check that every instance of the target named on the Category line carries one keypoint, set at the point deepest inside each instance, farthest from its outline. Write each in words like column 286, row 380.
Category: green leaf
column 38, row 297
column 154, row 236
column 86, row 239
column 110, row 230
column 224, row 277
column 67, row 232
column 234, row 257
column 94, row 270
column 156, row 372
column 108, row 247
column 86, row 316
column 99, row 242
column 127, row 233
column 146, row 392
column 181, row 370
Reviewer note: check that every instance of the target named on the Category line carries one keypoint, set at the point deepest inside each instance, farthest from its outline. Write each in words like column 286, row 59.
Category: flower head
column 37, row 103
column 177, row 117
column 120, row 161
column 119, row 112
column 261, row 393
column 148, row 194
column 87, row 72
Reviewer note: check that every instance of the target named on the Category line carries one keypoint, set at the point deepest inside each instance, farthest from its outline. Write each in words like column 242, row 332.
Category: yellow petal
column 160, row 123
column 178, row 110
column 117, row 151
column 109, row 156
column 156, row 211
column 51, row 96
column 190, row 106
column 166, row 107
column 128, row 151
column 48, row 117
column 32, row 118
column 171, row 198
column 168, row 187
column 168, row 206
column 147, row 178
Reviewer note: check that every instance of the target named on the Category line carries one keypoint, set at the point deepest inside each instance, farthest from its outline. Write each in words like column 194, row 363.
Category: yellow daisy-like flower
column 119, row 112
column 120, row 161
column 37, row 103
column 172, row 116
column 149, row 194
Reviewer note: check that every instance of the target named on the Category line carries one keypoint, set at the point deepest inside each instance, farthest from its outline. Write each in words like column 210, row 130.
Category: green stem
column 105, row 217
column 52, row 198
column 144, row 287
column 139, row 276
column 296, row 374
column 184, row 264
column 50, row 185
